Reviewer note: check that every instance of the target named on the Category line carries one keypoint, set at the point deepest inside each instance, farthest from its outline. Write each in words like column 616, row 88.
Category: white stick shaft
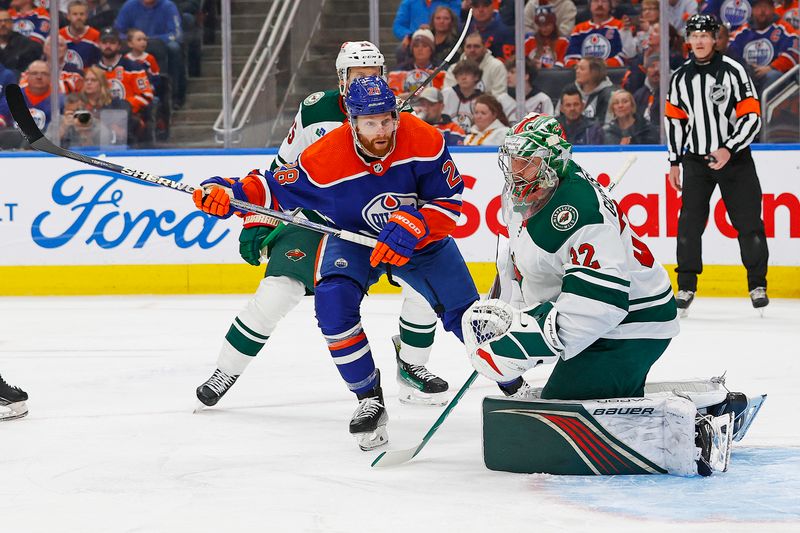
column 622, row 171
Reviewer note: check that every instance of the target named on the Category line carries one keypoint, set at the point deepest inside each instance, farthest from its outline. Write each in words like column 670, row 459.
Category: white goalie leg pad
column 12, row 411
column 274, row 298
column 702, row 392
column 503, row 342
column 417, row 317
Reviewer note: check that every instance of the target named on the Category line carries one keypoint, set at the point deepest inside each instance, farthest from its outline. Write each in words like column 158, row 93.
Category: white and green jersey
column 580, row 253
column 319, row 114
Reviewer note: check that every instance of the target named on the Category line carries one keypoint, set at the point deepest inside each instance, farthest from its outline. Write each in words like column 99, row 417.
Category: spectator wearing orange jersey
column 128, row 81
column 137, row 45
column 546, row 48
column 83, row 41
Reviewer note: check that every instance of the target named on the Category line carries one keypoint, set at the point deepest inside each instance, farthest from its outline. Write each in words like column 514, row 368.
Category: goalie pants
column 437, row 272
column 609, row 368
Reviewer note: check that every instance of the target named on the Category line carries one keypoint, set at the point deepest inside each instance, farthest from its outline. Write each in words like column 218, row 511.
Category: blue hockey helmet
column 370, row 96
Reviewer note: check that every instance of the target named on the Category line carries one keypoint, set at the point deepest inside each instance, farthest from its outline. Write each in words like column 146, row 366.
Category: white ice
column 111, row 444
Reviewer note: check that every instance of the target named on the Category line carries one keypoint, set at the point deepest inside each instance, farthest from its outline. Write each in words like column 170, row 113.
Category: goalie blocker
column 680, row 428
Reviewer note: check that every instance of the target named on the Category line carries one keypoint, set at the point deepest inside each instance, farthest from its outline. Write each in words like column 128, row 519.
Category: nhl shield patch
column 295, row 255
column 564, row 217
column 312, row 99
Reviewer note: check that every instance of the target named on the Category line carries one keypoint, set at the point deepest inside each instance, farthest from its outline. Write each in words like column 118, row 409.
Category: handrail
column 259, row 64
column 768, row 107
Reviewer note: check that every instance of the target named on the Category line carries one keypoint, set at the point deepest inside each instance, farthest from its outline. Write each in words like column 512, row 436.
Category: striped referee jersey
column 710, row 106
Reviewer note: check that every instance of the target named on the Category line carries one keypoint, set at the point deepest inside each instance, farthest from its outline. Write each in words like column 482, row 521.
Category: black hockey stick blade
column 19, row 110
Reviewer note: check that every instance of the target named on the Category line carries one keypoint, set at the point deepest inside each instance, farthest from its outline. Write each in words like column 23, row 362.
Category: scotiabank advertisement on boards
column 54, row 211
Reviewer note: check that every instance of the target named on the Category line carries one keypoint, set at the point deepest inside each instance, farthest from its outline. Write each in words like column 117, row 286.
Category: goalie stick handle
column 622, row 171
column 19, row 110
column 442, row 65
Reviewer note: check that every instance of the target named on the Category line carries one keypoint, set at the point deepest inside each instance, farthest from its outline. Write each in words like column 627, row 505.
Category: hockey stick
column 37, row 140
column 622, row 171
column 442, row 65
column 396, row 457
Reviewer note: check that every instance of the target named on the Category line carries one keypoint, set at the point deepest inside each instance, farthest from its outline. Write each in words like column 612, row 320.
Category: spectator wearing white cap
column 430, row 108
column 408, row 76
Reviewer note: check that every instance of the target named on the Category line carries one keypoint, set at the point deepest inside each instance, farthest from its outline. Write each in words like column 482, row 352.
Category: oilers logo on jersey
column 596, row 45
column 24, row 27
column 39, row 117
column 759, row 52
column 734, row 13
column 376, row 212
column 74, row 58
column 117, row 89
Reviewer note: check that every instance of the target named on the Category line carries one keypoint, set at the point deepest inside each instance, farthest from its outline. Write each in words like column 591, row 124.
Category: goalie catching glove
column 503, row 342
column 401, row 234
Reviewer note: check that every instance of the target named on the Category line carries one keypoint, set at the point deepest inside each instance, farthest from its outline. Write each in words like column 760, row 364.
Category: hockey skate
column 214, row 388
column 759, row 299
column 368, row 424
column 683, row 300
column 417, row 385
column 12, row 401
column 519, row 389
column 713, row 440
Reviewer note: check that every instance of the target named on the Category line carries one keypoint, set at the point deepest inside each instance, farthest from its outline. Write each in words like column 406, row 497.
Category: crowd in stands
column 595, row 64
column 122, row 67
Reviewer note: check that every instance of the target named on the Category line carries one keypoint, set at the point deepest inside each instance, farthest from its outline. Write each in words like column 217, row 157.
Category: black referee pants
column 741, row 192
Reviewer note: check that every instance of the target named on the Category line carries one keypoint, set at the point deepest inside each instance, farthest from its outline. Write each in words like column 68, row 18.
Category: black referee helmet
column 702, row 23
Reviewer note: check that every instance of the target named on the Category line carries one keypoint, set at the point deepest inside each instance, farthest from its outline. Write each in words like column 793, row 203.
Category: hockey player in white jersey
column 581, row 291
column 292, row 250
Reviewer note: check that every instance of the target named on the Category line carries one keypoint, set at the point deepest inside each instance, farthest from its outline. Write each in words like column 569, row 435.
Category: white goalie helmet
column 357, row 54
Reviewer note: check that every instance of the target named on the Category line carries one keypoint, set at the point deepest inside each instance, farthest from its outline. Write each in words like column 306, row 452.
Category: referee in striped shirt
column 712, row 112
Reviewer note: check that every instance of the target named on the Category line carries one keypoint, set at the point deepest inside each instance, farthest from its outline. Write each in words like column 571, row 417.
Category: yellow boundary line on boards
column 716, row 280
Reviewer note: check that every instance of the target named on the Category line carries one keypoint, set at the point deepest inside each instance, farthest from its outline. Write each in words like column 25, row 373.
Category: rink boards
column 66, row 228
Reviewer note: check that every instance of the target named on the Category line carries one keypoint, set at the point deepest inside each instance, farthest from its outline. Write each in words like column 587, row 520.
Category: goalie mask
column 372, row 112
column 357, row 54
column 531, row 158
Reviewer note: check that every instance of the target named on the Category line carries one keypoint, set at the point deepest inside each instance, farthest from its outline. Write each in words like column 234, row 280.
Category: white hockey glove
column 503, row 342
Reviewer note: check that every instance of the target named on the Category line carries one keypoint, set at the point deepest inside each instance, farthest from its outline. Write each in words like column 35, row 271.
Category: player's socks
column 417, row 384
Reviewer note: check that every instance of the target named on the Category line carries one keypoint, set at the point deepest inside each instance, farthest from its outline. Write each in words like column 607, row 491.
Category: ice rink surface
column 111, row 444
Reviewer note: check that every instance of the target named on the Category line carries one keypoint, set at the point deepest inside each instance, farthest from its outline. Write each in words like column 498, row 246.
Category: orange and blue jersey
column 731, row 13
column 332, row 179
column 33, row 24
column 83, row 50
column 596, row 40
column 775, row 46
column 128, row 81
column 39, row 107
